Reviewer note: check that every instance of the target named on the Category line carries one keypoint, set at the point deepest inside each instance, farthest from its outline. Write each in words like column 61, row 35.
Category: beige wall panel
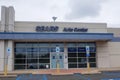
column 30, row 26
column 111, row 44
column 114, row 60
column 116, row 31
column 102, row 55
column 108, row 53
column 65, row 24
column 103, row 62
column 102, row 49
column 114, row 47
column 114, row 54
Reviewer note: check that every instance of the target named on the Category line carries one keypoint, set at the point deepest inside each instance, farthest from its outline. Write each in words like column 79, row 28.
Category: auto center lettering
column 56, row 28
column 75, row 30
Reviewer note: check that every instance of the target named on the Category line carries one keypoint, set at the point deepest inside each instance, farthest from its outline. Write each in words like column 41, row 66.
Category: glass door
column 57, row 60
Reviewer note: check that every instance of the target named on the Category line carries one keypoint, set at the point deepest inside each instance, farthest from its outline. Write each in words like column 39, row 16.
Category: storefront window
column 31, row 55
column 35, row 55
column 77, row 55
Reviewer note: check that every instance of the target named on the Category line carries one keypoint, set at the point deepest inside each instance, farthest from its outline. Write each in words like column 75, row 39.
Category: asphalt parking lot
column 113, row 75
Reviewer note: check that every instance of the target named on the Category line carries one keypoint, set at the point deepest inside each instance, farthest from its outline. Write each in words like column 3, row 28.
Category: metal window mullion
column 26, row 57
column 38, row 56
column 77, row 55
column 49, row 55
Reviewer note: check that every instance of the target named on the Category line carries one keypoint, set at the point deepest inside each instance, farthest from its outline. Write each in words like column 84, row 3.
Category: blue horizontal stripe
column 116, row 39
column 55, row 36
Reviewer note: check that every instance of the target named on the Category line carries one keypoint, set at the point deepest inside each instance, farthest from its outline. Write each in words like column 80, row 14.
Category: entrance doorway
column 57, row 59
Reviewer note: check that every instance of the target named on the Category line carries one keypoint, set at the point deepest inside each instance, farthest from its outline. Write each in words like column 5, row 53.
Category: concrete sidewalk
column 52, row 72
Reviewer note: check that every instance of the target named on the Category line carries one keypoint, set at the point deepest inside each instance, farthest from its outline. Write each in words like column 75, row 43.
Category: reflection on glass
column 44, row 49
column 92, row 49
column 71, row 44
column 91, row 44
column 92, row 59
column 83, row 65
column 72, row 49
column 82, row 60
column 20, row 66
column 44, row 44
column 81, row 44
column 32, row 66
column 81, row 49
column 60, row 57
column 32, row 49
column 32, row 55
column 72, row 54
column 17, row 50
column 44, row 60
column 53, row 57
column 20, row 45
column 38, row 54
column 81, row 54
column 44, row 66
column 72, row 65
column 32, row 60
column 77, row 54
column 20, row 61
column 57, row 45
column 53, row 49
column 20, row 55
column 72, row 60
column 44, row 55
column 92, row 64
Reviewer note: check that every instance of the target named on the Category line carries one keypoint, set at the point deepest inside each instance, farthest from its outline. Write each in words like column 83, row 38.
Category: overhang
column 54, row 36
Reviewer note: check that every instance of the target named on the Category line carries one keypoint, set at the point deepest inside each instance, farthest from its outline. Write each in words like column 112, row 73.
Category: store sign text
column 56, row 28
column 47, row 28
column 75, row 30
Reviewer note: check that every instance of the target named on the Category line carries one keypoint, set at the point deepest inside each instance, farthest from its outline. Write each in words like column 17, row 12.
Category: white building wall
column 5, row 59
column 2, row 55
column 6, row 25
column 7, row 19
column 11, row 56
column 11, row 19
column 2, row 25
column 65, row 57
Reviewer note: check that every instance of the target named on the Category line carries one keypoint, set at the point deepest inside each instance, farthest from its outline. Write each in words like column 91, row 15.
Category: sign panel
column 8, row 51
column 57, row 49
column 56, row 28
column 87, row 51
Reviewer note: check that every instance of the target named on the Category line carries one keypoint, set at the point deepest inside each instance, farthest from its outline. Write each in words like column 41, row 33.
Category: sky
column 90, row 11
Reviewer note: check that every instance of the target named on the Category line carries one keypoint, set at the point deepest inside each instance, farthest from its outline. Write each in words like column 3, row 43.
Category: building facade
column 44, row 45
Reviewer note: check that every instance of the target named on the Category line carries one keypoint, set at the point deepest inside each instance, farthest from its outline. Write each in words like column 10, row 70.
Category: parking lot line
column 81, row 76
